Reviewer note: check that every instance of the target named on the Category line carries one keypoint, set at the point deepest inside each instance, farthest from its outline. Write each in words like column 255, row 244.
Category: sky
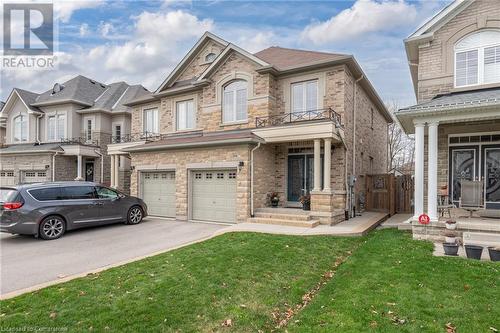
column 140, row 42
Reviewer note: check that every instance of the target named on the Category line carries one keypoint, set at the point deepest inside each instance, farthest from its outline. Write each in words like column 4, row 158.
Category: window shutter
column 312, row 95
column 466, row 68
column 297, row 98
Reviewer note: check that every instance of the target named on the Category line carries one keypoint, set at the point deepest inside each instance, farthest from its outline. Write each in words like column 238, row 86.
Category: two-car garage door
column 158, row 192
column 213, row 196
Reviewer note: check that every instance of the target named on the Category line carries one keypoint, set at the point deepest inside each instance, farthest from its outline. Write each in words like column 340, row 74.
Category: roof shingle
column 283, row 58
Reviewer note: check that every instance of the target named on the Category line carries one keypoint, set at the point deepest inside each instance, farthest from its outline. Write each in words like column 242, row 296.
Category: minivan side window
column 106, row 193
column 79, row 192
column 46, row 194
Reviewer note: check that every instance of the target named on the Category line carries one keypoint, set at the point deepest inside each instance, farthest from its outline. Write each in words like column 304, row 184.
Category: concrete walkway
column 354, row 227
column 396, row 221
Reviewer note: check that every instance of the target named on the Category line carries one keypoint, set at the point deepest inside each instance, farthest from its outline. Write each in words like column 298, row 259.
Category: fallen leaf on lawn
column 391, row 304
column 389, row 312
column 227, row 323
column 450, row 328
column 53, row 315
column 243, row 306
column 373, row 311
column 81, row 293
column 466, row 287
column 373, row 324
column 493, row 329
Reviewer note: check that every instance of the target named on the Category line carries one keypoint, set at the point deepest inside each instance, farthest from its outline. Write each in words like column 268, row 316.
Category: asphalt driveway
column 27, row 262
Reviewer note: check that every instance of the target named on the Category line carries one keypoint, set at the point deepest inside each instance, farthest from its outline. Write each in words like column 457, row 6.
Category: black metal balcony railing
column 144, row 136
column 294, row 117
column 80, row 141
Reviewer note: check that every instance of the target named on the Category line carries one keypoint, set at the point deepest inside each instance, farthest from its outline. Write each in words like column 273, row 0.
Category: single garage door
column 7, row 178
column 213, row 195
column 158, row 192
column 34, row 176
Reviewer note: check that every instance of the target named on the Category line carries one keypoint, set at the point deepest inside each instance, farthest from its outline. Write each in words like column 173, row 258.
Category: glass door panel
column 296, row 181
column 492, row 177
column 463, row 167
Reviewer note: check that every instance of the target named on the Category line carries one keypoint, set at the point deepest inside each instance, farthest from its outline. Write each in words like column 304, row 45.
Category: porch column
column 419, row 169
column 79, row 168
column 327, row 165
column 116, row 170
column 112, row 167
column 432, row 170
column 317, row 165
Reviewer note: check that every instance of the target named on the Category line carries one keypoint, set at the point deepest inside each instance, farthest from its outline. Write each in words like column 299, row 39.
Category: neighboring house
column 454, row 61
column 227, row 127
column 63, row 133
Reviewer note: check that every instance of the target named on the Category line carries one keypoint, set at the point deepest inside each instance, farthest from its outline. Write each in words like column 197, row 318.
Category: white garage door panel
column 158, row 192
column 34, row 176
column 7, row 178
column 214, row 195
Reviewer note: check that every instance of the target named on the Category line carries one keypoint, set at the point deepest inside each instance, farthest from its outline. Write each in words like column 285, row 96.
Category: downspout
column 351, row 193
column 102, row 166
column 37, row 139
column 251, row 179
column 54, row 166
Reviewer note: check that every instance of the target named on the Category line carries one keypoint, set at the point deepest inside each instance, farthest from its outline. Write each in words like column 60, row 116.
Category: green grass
column 389, row 283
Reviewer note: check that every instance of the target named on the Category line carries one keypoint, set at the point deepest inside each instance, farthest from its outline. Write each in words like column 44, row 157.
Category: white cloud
column 106, row 29
column 363, row 17
column 84, row 30
column 257, row 41
column 63, row 9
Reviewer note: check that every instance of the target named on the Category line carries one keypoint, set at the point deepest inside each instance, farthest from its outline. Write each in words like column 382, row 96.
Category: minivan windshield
column 7, row 194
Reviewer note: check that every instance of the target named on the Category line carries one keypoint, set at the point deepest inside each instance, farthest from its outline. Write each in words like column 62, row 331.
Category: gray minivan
column 48, row 210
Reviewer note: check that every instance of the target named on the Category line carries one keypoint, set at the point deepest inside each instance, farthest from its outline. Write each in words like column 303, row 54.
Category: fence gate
column 380, row 194
column 404, row 194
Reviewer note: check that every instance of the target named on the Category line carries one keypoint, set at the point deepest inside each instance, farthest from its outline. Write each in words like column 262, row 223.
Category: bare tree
column 401, row 148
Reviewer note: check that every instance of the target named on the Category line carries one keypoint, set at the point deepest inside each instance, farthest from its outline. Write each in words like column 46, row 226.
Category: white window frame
column 27, row 128
column 480, row 60
column 155, row 125
column 56, row 115
column 304, row 92
column 114, row 125
column 88, row 135
column 178, row 125
column 234, row 119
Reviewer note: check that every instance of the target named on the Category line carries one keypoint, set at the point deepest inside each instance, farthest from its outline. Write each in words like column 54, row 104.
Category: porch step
column 290, row 223
column 481, row 238
column 283, row 216
column 281, row 210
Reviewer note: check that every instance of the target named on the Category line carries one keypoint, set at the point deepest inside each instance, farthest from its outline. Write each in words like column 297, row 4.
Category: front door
column 491, row 168
column 89, row 171
column 301, row 175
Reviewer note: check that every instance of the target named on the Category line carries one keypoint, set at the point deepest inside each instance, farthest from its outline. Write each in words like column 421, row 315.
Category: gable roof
column 284, row 58
column 426, row 31
column 188, row 57
column 2, row 103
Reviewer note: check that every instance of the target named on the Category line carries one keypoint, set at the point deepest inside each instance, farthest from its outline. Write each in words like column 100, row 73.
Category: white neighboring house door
column 213, row 196
column 7, row 178
column 158, row 192
column 34, row 176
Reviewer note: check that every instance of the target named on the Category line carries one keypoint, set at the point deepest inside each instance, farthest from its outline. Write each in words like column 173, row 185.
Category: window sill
column 239, row 122
column 188, row 130
column 475, row 87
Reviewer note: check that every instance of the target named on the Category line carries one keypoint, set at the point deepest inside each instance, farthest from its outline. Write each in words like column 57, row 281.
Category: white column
column 79, row 168
column 317, row 165
column 112, row 171
column 432, row 171
column 116, row 170
column 327, row 165
column 419, row 169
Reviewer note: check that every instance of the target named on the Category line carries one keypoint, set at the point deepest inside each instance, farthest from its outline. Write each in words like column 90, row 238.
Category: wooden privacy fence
column 389, row 194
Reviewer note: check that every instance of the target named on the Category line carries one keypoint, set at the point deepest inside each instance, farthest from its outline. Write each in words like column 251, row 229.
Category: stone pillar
column 327, row 166
column 112, row 170
column 432, row 171
column 317, row 165
column 419, row 169
column 79, row 168
column 116, row 170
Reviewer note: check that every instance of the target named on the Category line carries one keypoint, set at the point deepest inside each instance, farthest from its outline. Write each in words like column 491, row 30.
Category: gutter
column 352, row 197
column 190, row 144
column 251, row 178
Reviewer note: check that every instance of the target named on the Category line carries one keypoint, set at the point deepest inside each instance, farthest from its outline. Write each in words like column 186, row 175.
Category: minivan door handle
column 98, row 203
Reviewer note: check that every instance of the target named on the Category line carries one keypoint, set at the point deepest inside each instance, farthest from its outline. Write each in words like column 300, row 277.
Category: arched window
column 235, row 101
column 210, row 57
column 477, row 59
column 21, row 128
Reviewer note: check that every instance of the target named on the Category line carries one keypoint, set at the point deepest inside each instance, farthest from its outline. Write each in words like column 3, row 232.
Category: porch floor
column 357, row 226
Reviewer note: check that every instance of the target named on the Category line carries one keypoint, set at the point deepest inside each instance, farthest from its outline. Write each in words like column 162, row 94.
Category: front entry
column 301, row 175
column 89, row 171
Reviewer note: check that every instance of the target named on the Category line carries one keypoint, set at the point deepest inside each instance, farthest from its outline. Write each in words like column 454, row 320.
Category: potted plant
column 450, row 249
column 305, row 200
column 450, row 237
column 451, row 224
column 494, row 253
column 473, row 251
column 274, row 197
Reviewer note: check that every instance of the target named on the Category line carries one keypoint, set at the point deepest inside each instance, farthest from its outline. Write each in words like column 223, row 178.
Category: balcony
column 299, row 117
column 137, row 137
column 79, row 141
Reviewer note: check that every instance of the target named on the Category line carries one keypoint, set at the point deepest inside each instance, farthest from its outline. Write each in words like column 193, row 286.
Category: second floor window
column 88, row 130
column 21, row 128
column 305, row 96
column 150, row 121
column 55, row 127
column 185, row 115
column 235, row 102
column 118, row 133
column 477, row 59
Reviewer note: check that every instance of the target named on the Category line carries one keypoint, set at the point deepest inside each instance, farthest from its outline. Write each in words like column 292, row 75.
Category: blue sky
column 141, row 41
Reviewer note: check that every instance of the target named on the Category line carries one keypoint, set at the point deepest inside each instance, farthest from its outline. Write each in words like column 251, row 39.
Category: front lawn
column 247, row 282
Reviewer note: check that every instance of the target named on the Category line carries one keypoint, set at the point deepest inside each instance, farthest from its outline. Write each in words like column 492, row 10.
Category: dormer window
column 210, row 57
column 477, row 59
column 21, row 128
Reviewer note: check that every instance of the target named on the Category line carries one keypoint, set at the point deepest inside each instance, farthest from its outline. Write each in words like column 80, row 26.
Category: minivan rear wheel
column 134, row 215
column 52, row 227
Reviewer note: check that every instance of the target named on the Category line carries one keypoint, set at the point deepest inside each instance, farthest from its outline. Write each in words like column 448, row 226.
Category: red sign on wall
column 424, row 219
